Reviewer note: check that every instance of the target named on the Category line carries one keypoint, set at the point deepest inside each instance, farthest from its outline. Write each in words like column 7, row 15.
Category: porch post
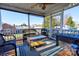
column 0, row 21
column 50, row 26
column 44, row 22
column 61, row 25
column 29, row 21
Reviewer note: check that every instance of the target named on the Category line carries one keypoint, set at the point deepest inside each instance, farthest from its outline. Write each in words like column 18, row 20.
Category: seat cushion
column 6, row 48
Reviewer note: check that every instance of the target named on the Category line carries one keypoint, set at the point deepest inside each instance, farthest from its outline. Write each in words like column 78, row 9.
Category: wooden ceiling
column 36, row 8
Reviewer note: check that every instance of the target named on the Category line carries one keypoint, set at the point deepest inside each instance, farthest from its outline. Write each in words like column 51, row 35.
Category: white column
column 50, row 26
column 0, row 21
column 61, row 25
column 29, row 21
column 44, row 22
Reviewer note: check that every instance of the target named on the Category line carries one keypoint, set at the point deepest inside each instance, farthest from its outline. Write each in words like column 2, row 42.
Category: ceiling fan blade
column 34, row 5
column 41, row 5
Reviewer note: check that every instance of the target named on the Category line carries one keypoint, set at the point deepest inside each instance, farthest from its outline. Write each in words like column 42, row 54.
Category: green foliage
column 53, row 22
column 46, row 25
column 70, row 22
column 23, row 24
column 56, row 22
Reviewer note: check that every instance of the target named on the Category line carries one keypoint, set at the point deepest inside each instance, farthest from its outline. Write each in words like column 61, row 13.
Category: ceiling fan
column 43, row 6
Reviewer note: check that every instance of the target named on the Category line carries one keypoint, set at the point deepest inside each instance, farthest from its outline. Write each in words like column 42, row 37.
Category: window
column 13, row 23
column 71, row 18
column 56, row 22
column 14, row 17
column 36, row 22
column 12, row 20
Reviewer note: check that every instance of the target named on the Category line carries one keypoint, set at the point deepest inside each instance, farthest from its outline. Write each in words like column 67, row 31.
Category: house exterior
column 7, row 28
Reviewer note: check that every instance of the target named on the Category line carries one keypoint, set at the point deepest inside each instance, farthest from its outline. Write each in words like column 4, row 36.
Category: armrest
column 77, row 52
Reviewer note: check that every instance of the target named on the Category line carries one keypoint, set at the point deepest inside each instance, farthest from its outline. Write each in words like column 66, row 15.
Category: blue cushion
column 11, row 41
column 6, row 48
column 74, row 46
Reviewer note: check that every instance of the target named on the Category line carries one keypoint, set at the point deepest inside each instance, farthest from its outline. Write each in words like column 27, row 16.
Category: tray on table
column 37, row 43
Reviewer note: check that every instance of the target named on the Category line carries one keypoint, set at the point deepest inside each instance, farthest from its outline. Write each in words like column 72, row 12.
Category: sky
column 19, row 18
column 74, row 12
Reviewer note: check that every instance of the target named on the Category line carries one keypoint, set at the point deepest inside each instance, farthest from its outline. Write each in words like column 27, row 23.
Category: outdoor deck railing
column 18, row 34
column 66, row 31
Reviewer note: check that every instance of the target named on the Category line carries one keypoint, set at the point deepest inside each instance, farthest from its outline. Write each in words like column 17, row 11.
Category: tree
column 23, row 24
column 70, row 22
column 46, row 24
column 53, row 22
column 47, row 18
